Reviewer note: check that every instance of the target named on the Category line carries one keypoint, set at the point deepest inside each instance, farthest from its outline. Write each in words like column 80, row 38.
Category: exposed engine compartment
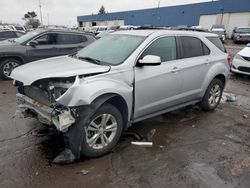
column 39, row 100
column 46, row 91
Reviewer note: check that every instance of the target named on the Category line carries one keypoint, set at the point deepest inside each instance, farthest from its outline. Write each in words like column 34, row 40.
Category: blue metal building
column 171, row 16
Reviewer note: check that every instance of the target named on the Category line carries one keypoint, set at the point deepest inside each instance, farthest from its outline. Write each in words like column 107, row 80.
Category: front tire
column 213, row 95
column 102, row 132
column 7, row 66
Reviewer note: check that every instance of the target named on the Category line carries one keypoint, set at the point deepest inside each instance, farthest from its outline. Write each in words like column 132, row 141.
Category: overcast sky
column 64, row 12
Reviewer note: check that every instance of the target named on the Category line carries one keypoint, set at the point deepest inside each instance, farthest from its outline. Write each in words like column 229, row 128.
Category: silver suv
column 123, row 78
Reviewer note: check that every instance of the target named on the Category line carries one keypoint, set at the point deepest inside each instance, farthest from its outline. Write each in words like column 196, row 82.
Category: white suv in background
column 241, row 61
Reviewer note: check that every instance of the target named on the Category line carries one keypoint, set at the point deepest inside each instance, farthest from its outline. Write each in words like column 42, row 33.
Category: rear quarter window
column 217, row 42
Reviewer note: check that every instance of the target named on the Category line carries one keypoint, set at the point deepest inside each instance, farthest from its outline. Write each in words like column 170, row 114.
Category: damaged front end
column 39, row 100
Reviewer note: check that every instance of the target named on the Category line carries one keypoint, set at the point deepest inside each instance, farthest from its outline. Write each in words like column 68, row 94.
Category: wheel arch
column 16, row 57
column 219, row 71
column 116, row 100
column 222, row 78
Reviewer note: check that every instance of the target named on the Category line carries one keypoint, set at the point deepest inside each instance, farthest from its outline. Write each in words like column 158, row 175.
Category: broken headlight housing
column 58, row 89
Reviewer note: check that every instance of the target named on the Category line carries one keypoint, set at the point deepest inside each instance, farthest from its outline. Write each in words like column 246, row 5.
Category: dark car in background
column 10, row 34
column 241, row 34
column 40, row 44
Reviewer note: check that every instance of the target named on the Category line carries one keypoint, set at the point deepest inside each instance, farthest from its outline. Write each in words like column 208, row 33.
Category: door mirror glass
column 33, row 43
column 150, row 60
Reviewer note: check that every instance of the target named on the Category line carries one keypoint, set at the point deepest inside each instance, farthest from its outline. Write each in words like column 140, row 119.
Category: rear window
column 217, row 42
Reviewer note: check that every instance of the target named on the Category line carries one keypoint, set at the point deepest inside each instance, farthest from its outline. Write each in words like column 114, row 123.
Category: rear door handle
column 175, row 70
column 207, row 62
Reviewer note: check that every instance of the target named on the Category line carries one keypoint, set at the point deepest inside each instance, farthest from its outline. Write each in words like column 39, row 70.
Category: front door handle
column 175, row 70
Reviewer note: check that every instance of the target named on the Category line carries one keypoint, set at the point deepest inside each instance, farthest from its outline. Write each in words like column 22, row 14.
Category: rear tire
column 102, row 132
column 7, row 66
column 213, row 95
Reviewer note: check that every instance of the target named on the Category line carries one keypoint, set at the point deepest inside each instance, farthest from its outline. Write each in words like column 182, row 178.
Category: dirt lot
column 191, row 148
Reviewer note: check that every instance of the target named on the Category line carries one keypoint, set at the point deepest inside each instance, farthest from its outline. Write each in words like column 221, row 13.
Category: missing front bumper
column 61, row 118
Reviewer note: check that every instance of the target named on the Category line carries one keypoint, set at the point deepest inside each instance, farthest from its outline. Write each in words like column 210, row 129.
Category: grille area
column 244, row 69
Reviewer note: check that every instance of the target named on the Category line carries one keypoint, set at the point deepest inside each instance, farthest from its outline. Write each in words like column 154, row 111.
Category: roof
column 218, row 29
column 243, row 27
column 63, row 30
column 146, row 33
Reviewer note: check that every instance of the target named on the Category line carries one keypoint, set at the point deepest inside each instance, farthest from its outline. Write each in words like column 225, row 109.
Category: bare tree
column 31, row 20
column 102, row 10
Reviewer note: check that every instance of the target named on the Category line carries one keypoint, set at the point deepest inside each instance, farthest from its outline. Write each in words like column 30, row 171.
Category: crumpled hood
column 56, row 67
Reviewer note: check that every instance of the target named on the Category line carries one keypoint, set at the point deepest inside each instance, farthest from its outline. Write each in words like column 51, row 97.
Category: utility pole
column 48, row 18
column 159, row 2
column 41, row 16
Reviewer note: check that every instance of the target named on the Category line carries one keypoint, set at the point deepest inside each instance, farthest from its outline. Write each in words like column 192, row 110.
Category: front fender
column 84, row 92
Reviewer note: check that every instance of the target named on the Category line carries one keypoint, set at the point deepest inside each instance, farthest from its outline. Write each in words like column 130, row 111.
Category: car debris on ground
column 84, row 172
column 245, row 116
column 145, row 144
column 65, row 157
column 229, row 97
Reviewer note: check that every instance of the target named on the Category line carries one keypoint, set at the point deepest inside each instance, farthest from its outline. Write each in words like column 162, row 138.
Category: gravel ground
column 191, row 148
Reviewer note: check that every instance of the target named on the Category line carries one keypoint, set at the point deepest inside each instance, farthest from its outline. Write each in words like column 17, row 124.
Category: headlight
column 58, row 89
column 58, row 92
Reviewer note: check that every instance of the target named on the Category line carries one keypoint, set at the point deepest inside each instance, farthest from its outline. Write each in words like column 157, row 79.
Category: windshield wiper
column 96, row 61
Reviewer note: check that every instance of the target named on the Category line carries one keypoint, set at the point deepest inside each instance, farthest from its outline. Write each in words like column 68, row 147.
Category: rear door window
column 217, row 42
column 191, row 47
column 70, row 39
column 164, row 47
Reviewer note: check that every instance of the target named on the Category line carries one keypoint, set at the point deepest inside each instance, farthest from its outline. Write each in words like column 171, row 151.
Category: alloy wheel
column 101, row 131
column 214, row 95
column 8, row 67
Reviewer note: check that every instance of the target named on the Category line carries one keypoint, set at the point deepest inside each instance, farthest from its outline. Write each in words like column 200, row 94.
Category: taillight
column 229, row 60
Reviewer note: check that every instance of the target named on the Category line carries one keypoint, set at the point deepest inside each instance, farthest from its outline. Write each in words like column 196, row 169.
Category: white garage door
column 206, row 21
column 238, row 19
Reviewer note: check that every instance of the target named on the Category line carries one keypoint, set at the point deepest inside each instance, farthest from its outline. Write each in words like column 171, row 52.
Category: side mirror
column 150, row 60
column 33, row 43
column 248, row 45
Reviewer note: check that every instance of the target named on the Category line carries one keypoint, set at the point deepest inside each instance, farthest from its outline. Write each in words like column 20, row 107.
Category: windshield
column 93, row 28
column 103, row 34
column 243, row 30
column 19, row 28
column 26, row 37
column 112, row 49
column 102, row 29
column 219, row 32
